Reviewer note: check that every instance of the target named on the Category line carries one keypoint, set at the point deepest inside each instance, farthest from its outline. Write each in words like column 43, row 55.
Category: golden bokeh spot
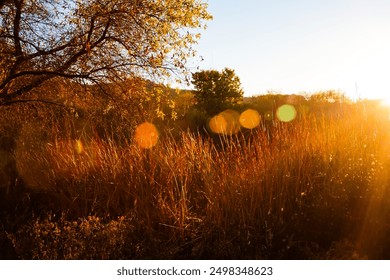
column 233, row 121
column 226, row 122
column 250, row 119
column 146, row 135
column 79, row 147
column 286, row 113
column 218, row 124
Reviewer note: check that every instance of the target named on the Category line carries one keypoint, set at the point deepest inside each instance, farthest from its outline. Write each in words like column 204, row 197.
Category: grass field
column 318, row 188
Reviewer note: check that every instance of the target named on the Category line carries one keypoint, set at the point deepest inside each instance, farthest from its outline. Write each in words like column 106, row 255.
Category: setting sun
column 302, row 46
column 385, row 101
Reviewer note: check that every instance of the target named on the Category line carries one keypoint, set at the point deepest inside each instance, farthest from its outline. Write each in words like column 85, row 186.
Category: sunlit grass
column 319, row 186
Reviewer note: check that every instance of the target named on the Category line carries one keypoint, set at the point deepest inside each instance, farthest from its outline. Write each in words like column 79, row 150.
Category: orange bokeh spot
column 218, row 124
column 146, row 135
column 226, row 122
column 250, row 119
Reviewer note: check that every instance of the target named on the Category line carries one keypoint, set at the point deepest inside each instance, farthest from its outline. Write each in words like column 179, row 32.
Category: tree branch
column 18, row 14
column 102, row 42
column 2, row 3
column 11, row 102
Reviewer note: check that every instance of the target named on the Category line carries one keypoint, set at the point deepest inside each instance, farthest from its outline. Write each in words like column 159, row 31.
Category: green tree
column 216, row 91
column 94, row 41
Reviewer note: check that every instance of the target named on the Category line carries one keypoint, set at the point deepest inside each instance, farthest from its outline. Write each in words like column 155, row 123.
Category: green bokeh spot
column 286, row 113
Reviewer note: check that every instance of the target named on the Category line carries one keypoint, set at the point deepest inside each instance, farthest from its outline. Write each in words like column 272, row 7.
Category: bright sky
column 294, row 46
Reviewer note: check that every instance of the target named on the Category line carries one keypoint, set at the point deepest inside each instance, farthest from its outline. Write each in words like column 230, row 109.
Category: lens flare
column 286, row 113
column 218, row 124
column 146, row 135
column 268, row 116
column 226, row 122
column 250, row 119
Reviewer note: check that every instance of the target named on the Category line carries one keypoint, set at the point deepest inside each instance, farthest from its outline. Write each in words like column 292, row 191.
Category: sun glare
column 385, row 101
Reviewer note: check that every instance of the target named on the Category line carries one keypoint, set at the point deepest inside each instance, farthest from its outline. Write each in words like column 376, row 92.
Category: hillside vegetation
column 85, row 181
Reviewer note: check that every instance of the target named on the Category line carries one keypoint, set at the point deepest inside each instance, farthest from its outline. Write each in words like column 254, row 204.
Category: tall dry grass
column 318, row 189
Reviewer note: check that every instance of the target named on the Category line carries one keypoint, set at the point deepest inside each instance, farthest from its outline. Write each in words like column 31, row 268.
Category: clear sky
column 295, row 46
